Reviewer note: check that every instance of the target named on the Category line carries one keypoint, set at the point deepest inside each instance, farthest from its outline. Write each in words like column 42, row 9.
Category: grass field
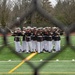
column 65, row 65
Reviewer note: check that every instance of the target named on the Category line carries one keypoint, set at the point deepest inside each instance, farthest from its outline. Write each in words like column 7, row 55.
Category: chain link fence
column 36, row 6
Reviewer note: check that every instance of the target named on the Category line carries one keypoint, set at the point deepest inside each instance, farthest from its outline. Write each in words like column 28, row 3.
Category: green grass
column 52, row 67
column 64, row 64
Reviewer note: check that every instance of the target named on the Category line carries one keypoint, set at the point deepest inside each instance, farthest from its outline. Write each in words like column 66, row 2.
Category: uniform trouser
column 49, row 46
column 34, row 43
column 53, row 42
column 28, row 46
column 24, row 45
column 45, row 45
column 57, row 45
column 18, row 46
column 39, row 46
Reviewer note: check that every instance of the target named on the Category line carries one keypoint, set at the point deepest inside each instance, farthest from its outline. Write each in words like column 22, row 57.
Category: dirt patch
column 73, row 33
column 9, row 34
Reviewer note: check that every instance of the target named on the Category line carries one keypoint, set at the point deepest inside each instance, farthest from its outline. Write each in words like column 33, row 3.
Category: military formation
column 33, row 39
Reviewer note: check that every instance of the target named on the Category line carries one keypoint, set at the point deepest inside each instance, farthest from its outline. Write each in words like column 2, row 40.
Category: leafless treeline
column 10, row 10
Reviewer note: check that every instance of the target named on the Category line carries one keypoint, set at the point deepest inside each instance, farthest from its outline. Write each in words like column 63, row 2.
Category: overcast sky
column 53, row 2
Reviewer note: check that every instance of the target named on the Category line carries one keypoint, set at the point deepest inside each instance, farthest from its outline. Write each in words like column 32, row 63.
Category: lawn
column 63, row 66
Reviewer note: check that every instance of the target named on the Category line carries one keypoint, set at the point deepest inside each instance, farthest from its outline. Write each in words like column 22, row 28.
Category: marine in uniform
column 39, row 41
column 17, row 39
column 34, row 38
column 45, row 38
column 49, row 40
column 24, row 39
column 56, row 39
column 28, row 40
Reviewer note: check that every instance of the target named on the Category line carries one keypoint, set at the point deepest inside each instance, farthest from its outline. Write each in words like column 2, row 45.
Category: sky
column 53, row 2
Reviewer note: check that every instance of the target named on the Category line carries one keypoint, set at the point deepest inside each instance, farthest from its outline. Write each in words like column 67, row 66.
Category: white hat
column 28, row 27
column 34, row 27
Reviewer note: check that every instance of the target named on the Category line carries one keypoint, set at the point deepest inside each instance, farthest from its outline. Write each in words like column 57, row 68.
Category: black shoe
column 23, row 51
column 49, row 51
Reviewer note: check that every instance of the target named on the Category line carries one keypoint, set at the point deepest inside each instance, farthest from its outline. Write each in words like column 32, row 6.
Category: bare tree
column 5, row 12
column 65, row 11
column 37, row 19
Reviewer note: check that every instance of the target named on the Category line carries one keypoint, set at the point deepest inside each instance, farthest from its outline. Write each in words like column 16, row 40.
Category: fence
column 36, row 5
